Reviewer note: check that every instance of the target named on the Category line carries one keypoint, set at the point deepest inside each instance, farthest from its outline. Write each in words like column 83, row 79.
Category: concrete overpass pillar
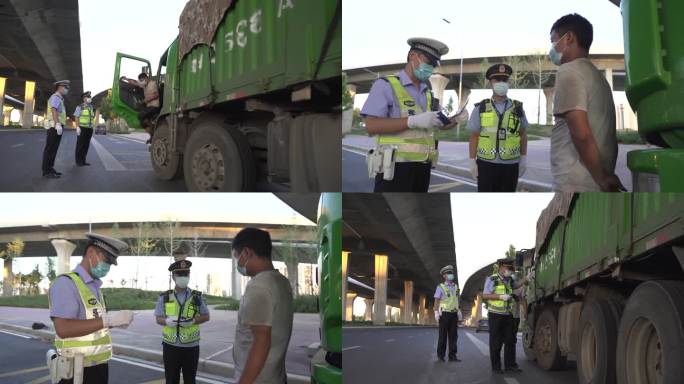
column 609, row 77
column 422, row 300
column 345, row 262
column 439, row 84
column 7, row 277
column 548, row 94
column 407, row 310
column 236, row 281
column 29, row 105
column 6, row 114
column 476, row 313
column 380, row 298
column 64, row 250
column 349, row 312
column 368, row 315
column 466, row 94
column 3, row 82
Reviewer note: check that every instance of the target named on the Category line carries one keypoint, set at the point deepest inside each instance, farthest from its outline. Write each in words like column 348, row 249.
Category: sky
column 139, row 28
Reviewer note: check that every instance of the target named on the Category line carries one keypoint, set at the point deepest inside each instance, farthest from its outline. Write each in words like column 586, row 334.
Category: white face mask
column 88, row 100
column 555, row 56
column 182, row 281
column 500, row 88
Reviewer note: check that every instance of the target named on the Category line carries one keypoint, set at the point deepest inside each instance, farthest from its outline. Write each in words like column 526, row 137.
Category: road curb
column 523, row 184
column 205, row 366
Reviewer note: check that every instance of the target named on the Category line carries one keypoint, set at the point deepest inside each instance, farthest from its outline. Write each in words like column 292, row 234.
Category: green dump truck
column 326, row 366
column 250, row 94
column 606, row 287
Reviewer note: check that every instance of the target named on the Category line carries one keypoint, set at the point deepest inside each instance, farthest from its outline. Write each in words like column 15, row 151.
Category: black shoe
column 86, row 164
column 56, row 173
column 440, row 358
column 51, row 175
column 454, row 359
column 80, row 165
column 513, row 370
column 497, row 371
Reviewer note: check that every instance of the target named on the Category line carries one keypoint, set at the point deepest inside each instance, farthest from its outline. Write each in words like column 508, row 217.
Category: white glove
column 505, row 297
column 522, row 165
column 171, row 322
column 425, row 120
column 59, row 129
column 460, row 315
column 473, row 168
column 437, row 316
column 117, row 319
column 78, row 131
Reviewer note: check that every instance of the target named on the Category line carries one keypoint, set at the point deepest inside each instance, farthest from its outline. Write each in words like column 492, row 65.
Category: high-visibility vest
column 501, row 287
column 413, row 144
column 187, row 311
column 499, row 134
column 85, row 120
column 95, row 347
column 62, row 114
column 450, row 304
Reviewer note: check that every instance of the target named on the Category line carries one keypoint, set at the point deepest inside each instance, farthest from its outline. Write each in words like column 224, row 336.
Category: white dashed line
column 16, row 334
column 484, row 348
column 350, row 348
column 510, row 380
column 17, row 145
column 389, row 340
column 108, row 160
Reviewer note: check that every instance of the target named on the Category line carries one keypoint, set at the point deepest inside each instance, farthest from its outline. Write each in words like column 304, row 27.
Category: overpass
column 199, row 239
column 40, row 43
column 394, row 245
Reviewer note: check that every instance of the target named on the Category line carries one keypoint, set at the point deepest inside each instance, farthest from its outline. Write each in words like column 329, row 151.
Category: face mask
column 554, row 55
column 65, row 92
column 182, row 281
column 100, row 270
column 507, row 273
column 500, row 88
column 450, row 277
column 88, row 100
column 242, row 269
column 423, row 72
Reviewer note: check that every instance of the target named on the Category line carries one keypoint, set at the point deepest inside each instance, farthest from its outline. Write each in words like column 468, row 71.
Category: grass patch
column 38, row 301
column 301, row 304
column 358, row 323
column 14, row 126
column 539, row 130
column 629, row 137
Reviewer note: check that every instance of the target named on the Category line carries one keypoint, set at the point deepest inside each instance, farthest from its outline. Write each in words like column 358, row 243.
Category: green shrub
column 306, row 304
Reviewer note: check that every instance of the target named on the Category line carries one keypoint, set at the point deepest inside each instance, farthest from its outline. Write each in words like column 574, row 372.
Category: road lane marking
column 22, row 371
column 219, row 352
column 389, row 340
column 16, row 334
column 130, row 139
column 510, row 380
column 39, row 380
column 159, row 369
column 350, row 348
column 17, row 145
column 108, row 160
column 442, row 187
column 484, row 348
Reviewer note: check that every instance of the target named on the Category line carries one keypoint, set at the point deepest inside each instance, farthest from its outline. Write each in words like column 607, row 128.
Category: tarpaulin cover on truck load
column 198, row 23
column 558, row 206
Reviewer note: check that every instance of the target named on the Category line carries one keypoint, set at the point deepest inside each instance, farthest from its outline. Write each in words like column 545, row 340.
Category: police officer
column 77, row 309
column 447, row 313
column 402, row 113
column 54, row 124
column 180, row 311
column 498, row 142
column 498, row 293
column 84, row 115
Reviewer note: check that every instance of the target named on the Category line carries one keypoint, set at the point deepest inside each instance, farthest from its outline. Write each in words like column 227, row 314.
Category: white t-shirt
column 267, row 301
column 580, row 86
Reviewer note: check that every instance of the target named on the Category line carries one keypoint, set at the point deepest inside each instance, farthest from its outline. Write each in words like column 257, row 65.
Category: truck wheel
column 217, row 158
column 546, row 341
column 527, row 341
column 597, row 342
column 165, row 163
column 651, row 335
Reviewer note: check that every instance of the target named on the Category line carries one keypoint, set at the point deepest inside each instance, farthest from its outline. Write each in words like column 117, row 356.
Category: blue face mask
column 100, row 270
column 423, row 72
column 66, row 91
column 554, row 55
column 450, row 277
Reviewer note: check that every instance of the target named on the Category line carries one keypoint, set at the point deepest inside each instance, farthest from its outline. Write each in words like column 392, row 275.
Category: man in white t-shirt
column 583, row 140
column 266, row 311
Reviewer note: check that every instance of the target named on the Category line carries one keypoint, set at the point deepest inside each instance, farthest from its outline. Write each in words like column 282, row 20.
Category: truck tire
column 650, row 345
column 166, row 164
column 217, row 158
column 527, row 343
column 546, row 347
column 597, row 340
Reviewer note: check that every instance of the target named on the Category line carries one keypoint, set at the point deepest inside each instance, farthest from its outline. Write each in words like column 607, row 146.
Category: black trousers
column 516, row 326
column 177, row 359
column 97, row 374
column 501, row 334
column 52, row 141
column 492, row 177
column 448, row 331
column 408, row 177
column 83, row 144
column 147, row 113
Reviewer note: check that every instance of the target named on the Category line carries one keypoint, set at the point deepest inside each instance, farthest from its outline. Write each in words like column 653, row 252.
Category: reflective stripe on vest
column 488, row 144
column 412, row 144
column 62, row 115
column 450, row 304
column 85, row 120
column 500, row 288
column 96, row 347
column 187, row 311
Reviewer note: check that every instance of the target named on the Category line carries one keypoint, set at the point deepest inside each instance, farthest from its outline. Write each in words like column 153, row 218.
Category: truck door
column 127, row 98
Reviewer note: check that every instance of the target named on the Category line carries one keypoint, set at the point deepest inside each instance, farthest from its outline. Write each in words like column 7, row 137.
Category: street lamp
column 460, row 73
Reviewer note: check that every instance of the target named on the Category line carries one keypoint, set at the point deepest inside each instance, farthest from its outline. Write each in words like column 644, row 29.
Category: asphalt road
column 119, row 164
column 22, row 361
column 355, row 178
column 408, row 355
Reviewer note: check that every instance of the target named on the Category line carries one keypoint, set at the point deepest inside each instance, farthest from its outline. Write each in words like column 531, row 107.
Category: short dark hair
column 142, row 76
column 255, row 239
column 578, row 25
